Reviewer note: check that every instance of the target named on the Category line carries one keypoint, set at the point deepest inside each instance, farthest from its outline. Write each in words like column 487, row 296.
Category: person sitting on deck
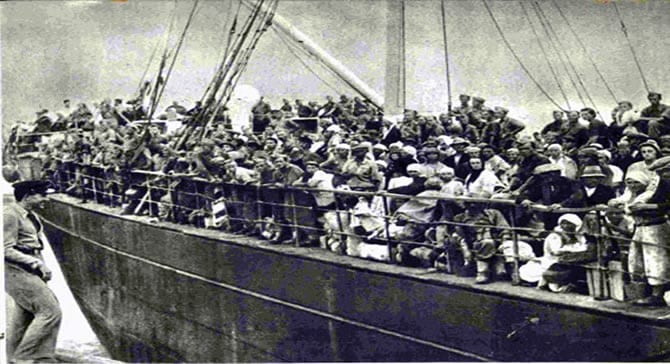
column 479, row 232
column 558, row 269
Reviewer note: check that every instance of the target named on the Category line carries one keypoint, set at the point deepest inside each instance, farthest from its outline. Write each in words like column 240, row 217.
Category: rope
column 291, row 49
column 572, row 65
column 446, row 53
column 546, row 56
column 174, row 59
column 155, row 50
column 630, row 45
column 556, row 49
column 609, row 89
column 523, row 66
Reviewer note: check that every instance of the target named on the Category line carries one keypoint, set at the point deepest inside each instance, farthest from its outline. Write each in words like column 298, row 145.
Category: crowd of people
column 345, row 176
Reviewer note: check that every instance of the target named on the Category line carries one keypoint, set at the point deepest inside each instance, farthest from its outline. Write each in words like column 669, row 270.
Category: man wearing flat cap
column 32, row 326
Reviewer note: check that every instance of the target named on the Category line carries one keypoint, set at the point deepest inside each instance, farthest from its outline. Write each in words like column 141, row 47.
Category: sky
column 90, row 50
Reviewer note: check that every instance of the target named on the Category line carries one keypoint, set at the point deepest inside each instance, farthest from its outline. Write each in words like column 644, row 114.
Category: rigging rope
column 552, row 43
column 446, row 53
column 572, row 66
column 174, row 59
column 546, row 56
column 630, row 45
column 523, row 66
column 291, row 49
column 609, row 89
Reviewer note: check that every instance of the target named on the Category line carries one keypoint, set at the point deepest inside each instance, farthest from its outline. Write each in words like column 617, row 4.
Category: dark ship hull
column 167, row 293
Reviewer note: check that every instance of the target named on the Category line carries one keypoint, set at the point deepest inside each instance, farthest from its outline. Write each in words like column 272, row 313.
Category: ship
column 156, row 291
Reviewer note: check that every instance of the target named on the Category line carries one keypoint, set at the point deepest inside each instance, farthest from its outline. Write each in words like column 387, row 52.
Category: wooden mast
column 329, row 61
column 394, row 91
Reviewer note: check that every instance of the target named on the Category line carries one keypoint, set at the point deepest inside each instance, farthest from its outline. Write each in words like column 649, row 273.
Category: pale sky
column 89, row 50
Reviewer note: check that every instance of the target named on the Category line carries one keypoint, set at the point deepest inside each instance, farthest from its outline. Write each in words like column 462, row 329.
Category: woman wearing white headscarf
column 563, row 245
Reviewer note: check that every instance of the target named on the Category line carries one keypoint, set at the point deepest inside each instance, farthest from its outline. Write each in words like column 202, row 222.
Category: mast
column 329, row 61
column 395, row 58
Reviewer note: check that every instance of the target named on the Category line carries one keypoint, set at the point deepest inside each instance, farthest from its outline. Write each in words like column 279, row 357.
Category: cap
column 500, row 109
column 651, row 93
column 652, row 144
column 416, row 167
column 480, row 99
column 464, row 96
column 30, row 187
column 380, row 147
column 546, row 168
column 343, row 146
column 459, row 140
column 592, row 171
column 409, row 150
column 396, row 145
column 605, row 153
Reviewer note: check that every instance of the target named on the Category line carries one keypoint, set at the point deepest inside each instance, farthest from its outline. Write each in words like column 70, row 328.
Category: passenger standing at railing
column 653, row 231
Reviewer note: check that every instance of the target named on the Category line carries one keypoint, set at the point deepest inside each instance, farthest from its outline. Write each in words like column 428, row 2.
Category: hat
column 501, row 109
column 459, row 140
column 396, row 145
column 30, row 187
column 464, row 95
column 660, row 164
column 477, row 98
column 361, row 146
column 605, row 153
column 651, row 93
column 219, row 161
column 591, row 171
column 312, row 162
column 555, row 146
column 380, row 147
column 409, row 150
column 343, row 146
column 472, row 150
column 650, row 143
column 546, row 168
column 416, row 167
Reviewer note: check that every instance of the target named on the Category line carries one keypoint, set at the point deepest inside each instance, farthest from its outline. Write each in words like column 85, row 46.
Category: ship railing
column 216, row 204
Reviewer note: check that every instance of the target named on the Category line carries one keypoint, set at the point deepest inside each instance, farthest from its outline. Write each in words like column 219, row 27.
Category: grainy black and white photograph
column 246, row 181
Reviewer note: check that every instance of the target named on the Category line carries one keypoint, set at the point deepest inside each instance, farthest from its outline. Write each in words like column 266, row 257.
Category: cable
column 632, row 50
column 546, row 56
column 552, row 42
column 609, row 89
column 572, row 66
column 290, row 48
column 509, row 47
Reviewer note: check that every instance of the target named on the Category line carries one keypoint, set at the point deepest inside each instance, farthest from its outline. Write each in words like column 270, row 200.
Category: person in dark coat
column 591, row 191
column 530, row 160
column 547, row 188
column 459, row 161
